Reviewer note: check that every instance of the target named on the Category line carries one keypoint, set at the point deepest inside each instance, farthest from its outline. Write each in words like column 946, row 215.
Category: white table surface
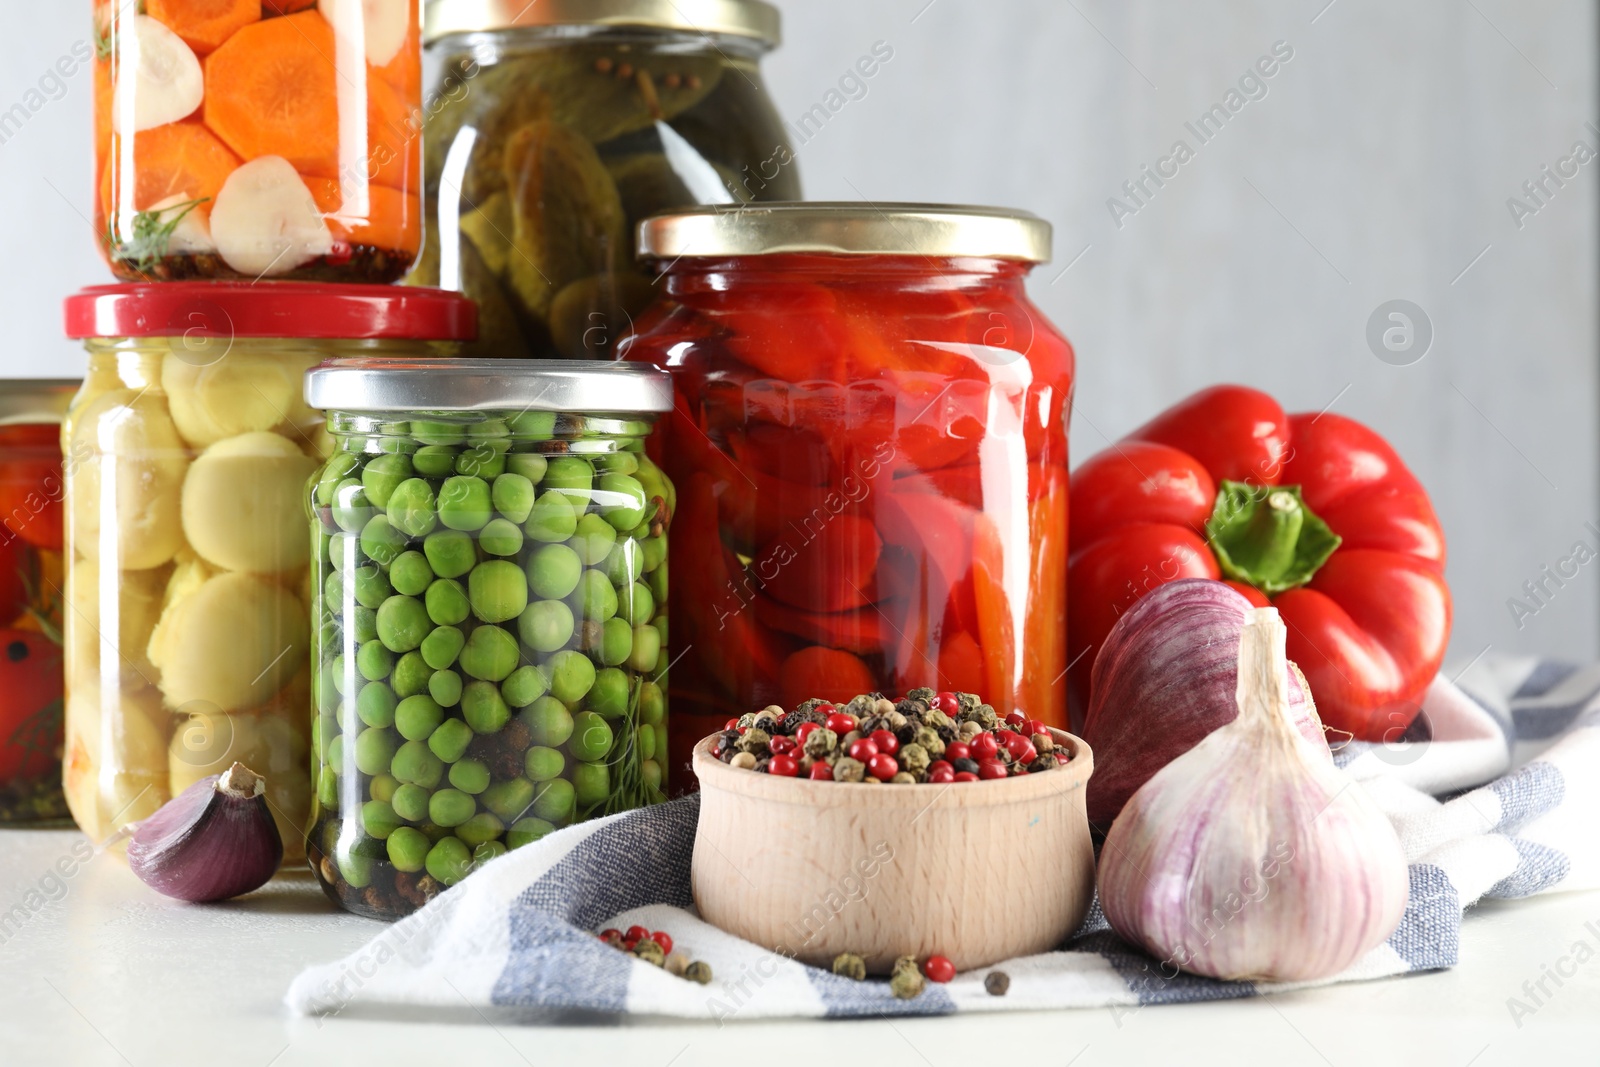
column 111, row 973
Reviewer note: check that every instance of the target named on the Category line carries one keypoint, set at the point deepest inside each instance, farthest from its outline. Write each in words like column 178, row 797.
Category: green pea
column 528, row 465
column 335, row 754
column 646, row 648
column 616, row 642
column 402, row 623
column 417, row 717
column 497, row 590
column 509, row 800
column 374, row 661
column 450, row 807
column 554, row 801
column 658, row 583
column 622, row 500
column 434, row 461
column 441, row 647
column 553, row 518
column 546, row 625
column 355, row 868
column 370, row 585
column 323, row 733
column 609, row 694
column 525, row 685
column 450, row 553
column 483, row 707
column 553, row 571
column 464, row 503
column 447, row 603
column 501, row 537
column 639, row 602
column 328, row 789
column 433, row 432
column 380, row 541
column 363, row 624
column 654, row 551
column 638, row 533
column 392, row 439
column 493, row 428
column 624, row 564
column 549, row 722
column 445, row 688
column 470, row 776
column 333, row 592
column 351, row 509
column 591, row 784
column 480, row 830
column 486, row 460
column 543, row 764
column 652, row 704
column 660, row 623
column 571, row 675
column 650, row 771
column 645, row 741
column 532, row 425
column 596, row 598
column 449, row 860
column 593, row 540
column 617, row 463
column 378, row 819
column 340, row 466
column 343, row 681
column 382, row 787
column 434, row 832
column 408, row 849
column 490, row 653
column 572, row 477
column 412, row 508
column 415, row 764
column 449, row 742
column 487, row 851
column 527, row 831
column 409, row 573
column 591, row 737
column 660, row 730
column 374, row 749
column 410, row 802
column 325, row 689
column 382, row 474
column 411, row 675
column 344, row 552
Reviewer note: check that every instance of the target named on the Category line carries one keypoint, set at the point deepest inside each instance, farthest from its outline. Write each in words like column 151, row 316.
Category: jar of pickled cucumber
column 187, row 451
column 489, row 641
column 555, row 127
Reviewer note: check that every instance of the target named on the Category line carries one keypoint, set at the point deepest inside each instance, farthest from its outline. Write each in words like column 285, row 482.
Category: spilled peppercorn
column 905, row 979
column 655, row 946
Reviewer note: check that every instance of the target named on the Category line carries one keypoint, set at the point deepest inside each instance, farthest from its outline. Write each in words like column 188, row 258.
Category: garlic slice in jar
column 166, row 84
column 266, row 222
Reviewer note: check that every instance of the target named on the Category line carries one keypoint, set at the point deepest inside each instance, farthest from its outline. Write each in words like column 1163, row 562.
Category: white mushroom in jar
column 217, row 389
column 130, row 473
column 121, row 634
column 241, row 504
column 114, row 768
column 234, row 641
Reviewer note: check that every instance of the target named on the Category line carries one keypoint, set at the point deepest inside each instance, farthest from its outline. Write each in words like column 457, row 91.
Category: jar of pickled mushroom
column 258, row 138
column 555, row 127
column 870, row 446
column 490, row 636
column 188, row 448
column 31, row 582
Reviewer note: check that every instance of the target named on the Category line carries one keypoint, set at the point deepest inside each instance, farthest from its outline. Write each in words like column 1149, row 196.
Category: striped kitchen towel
column 520, row 933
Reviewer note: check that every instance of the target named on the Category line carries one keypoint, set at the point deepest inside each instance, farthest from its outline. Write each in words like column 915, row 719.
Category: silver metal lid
column 736, row 18
column 564, row 385
column 28, row 401
column 943, row 231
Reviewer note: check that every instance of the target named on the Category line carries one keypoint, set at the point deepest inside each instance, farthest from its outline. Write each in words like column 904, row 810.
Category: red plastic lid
column 271, row 309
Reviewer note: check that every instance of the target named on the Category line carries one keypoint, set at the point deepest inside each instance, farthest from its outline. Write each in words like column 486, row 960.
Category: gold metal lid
column 735, row 18
column 945, row 231
column 31, row 401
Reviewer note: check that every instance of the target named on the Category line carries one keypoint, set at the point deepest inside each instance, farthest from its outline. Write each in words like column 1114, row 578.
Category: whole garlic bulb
column 1248, row 857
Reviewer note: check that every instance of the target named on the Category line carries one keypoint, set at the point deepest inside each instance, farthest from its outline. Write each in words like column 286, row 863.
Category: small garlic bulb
column 1248, row 858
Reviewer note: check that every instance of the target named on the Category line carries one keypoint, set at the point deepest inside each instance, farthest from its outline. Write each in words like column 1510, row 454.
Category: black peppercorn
column 968, row 765
column 997, row 983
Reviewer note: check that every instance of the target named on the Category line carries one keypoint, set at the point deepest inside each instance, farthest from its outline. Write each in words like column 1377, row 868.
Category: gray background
column 1376, row 167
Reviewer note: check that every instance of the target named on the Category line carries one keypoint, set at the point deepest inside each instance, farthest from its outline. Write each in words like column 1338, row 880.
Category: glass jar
column 490, row 641
column 870, row 446
column 278, row 139
column 557, row 126
column 188, row 448
column 31, row 581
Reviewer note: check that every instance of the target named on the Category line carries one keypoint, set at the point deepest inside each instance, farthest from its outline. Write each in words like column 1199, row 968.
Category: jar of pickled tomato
column 870, row 450
column 258, row 138
column 187, row 637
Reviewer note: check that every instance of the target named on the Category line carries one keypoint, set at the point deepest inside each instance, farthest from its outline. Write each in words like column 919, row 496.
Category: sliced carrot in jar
column 270, row 8
column 404, row 71
column 393, row 220
column 1044, row 681
column 394, row 137
column 180, row 159
column 271, row 90
column 204, row 24
column 996, row 630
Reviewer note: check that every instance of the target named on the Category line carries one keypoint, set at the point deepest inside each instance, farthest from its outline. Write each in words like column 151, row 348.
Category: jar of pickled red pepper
column 30, row 600
column 489, row 576
column 258, row 138
column 188, row 447
column 870, row 449
column 556, row 126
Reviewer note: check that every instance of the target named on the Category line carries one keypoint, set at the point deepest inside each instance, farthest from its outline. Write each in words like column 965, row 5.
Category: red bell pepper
column 1312, row 513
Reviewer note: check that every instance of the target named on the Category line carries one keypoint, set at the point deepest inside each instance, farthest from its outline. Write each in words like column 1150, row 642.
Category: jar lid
column 735, row 18
column 35, row 401
column 563, row 385
column 289, row 310
column 945, row 231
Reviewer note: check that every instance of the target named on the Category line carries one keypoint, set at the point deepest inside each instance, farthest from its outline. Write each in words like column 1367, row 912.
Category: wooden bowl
column 979, row 872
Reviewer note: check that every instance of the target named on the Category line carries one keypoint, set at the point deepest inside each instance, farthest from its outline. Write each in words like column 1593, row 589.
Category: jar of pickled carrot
column 258, row 138
column 870, row 451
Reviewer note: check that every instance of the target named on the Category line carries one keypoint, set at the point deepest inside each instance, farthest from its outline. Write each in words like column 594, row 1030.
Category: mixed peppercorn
column 655, row 946
column 926, row 737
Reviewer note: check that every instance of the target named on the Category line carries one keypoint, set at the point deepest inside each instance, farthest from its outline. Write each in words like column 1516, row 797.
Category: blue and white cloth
column 521, row 932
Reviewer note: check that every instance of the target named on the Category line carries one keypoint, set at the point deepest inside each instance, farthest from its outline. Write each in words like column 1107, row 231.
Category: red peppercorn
column 965, row 776
column 941, row 774
column 840, row 723
column 628, row 943
column 882, row 767
column 939, row 969
column 886, row 741
column 731, row 724
column 824, row 709
column 1015, row 743
column 1061, row 756
column 636, row 934
column 664, row 939
column 610, row 932
column 781, row 745
column 957, row 750
column 1036, row 726
column 940, row 764
column 947, row 703
column 863, row 749
column 803, row 731
column 784, row 766
column 821, row 772
column 983, row 747
column 991, row 768
column 1016, row 718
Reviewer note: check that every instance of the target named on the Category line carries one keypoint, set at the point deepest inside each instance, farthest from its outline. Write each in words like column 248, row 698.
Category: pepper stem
column 1266, row 537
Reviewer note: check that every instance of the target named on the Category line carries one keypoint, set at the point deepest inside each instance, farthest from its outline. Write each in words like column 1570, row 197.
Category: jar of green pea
column 489, row 647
